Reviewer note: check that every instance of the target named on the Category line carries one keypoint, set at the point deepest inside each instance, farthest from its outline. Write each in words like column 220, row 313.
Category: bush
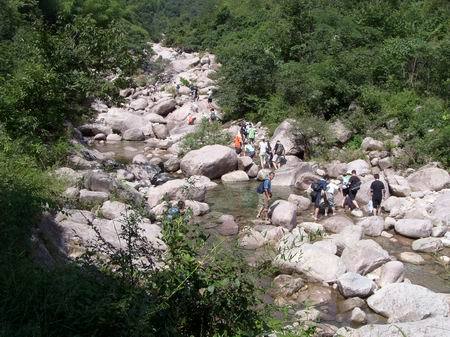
column 206, row 134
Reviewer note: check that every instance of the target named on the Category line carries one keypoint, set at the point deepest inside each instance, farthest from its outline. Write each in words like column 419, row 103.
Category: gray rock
column 263, row 174
column 172, row 164
column 340, row 131
column 336, row 169
column 253, row 171
column 164, row 107
column 98, row 181
column 139, row 104
column 372, row 226
column 235, row 176
column 93, row 197
column 133, row 135
column 68, row 175
column 90, row 130
column 113, row 209
column 398, row 185
column 198, row 208
column 350, row 304
column 336, row 223
column 391, row 272
column 364, row 256
column 244, row 163
column 429, row 179
column 113, row 137
column 283, row 213
column 312, row 227
column 212, row 161
column 228, row 225
column 160, row 131
column 177, row 189
column 370, row 144
column 358, row 316
column 302, row 203
column 438, row 231
column 410, row 257
column 154, row 118
column 252, row 239
column 427, row 245
column 403, row 302
column 414, row 228
column 285, row 134
column 360, row 166
column 354, row 285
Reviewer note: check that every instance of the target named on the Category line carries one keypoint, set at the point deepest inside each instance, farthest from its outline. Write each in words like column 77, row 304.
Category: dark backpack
column 316, row 186
column 279, row 149
column 260, row 188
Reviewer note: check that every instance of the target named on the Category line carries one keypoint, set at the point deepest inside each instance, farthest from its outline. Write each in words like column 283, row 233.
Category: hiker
column 330, row 191
column 243, row 131
column 191, row 119
column 176, row 210
column 344, row 187
column 265, row 188
column 251, row 134
column 317, row 192
column 177, row 90
column 279, row 154
column 210, row 94
column 269, row 155
column 263, row 152
column 249, row 150
column 212, row 115
column 238, row 143
column 355, row 185
column 378, row 193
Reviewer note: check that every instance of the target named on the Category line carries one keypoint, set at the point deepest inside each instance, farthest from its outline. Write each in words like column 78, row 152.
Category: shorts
column 209, row 100
column 264, row 202
column 345, row 192
column 352, row 194
column 376, row 202
column 315, row 198
column 330, row 200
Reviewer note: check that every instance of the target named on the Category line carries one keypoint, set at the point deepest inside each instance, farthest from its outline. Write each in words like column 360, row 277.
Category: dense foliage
column 307, row 57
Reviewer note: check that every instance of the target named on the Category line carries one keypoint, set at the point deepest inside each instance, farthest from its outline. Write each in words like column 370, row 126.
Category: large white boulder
column 398, row 185
column 98, row 181
column 164, row 107
column 113, row 209
column 403, row 302
column 283, row 213
column 139, row 103
column 414, row 228
column 133, row 135
column 391, row 272
column 364, row 256
column 354, row 285
column 235, row 176
column 340, row 131
column 252, row 239
column 293, row 174
column 361, row 167
column 212, row 161
column 370, row 144
column 121, row 120
column 336, row 223
column 302, row 202
column 372, row 226
column 178, row 189
column 428, row 179
column 284, row 133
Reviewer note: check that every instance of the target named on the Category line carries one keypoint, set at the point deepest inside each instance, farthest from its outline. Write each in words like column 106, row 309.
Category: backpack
column 260, row 188
column 316, row 186
column 279, row 149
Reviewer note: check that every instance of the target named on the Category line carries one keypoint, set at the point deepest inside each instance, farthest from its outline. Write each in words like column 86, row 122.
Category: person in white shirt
column 263, row 152
column 330, row 191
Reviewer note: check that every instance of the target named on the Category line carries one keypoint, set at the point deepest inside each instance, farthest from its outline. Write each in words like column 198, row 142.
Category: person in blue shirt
column 318, row 189
column 266, row 196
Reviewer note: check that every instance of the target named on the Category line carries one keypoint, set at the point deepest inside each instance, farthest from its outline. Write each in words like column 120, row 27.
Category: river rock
column 314, row 263
column 177, row 189
column 228, row 225
column 414, row 228
column 286, row 285
column 360, row 166
column 336, row 169
column 410, row 257
column 372, row 226
column 327, row 246
column 336, row 223
column 121, row 120
column 302, row 203
column 427, row 245
column 113, row 209
column 98, row 181
column 133, row 135
column 340, row 131
column 312, row 227
column 160, row 131
column 364, row 256
column 430, row 327
column 172, row 164
column 113, row 137
column 212, row 161
column 139, row 104
column 93, row 197
column 253, row 171
column 398, row 185
column 300, row 175
column 252, row 239
column 348, row 237
column 140, row 159
column 244, row 163
column 164, row 107
column 429, row 179
column 235, row 176
column 283, row 213
column 198, row 208
column 263, row 174
column 284, row 133
column 370, row 144
column 350, row 304
column 90, row 130
column 358, row 316
column 273, row 234
column 354, row 285
column 68, row 175
column 439, row 231
column 403, row 302
column 391, row 272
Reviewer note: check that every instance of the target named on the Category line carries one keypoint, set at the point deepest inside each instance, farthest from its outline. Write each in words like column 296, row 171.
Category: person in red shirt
column 238, row 143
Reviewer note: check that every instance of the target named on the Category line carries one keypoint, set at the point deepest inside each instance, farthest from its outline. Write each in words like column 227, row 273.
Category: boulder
column 335, row 169
column 121, row 120
column 154, row 118
column 113, row 209
column 348, row 237
column 391, row 272
column 285, row 134
column 93, row 197
column 212, row 161
column 300, row 175
column 370, row 144
column 429, row 179
column 430, row 327
column 283, row 213
column 410, row 257
column 360, row 166
column 340, row 131
column 252, row 239
column 385, row 163
column 372, row 226
column 315, row 264
column 172, row 164
column 113, row 137
column 244, row 163
column 336, row 223
column 203, row 181
column 350, row 304
column 228, row 225
column 139, row 104
column 98, row 181
column 354, row 285
column 253, row 171
column 427, row 245
column 160, row 131
column 273, row 234
column 364, row 256
column 358, row 316
column 398, row 185
column 439, row 231
column 100, row 136
column 312, row 227
column 198, row 208
column 140, row 159
column 68, row 175
column 164, row 107
column 133, row 135
column 263, row 174
column 403, row 302
column 302, row 203
column 414, row 228
column 90, row 130
column 235, row 176
column 294, row 239
column 177, row 189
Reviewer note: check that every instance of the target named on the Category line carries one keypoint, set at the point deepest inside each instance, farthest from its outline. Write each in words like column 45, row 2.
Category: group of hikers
column 244, row 144
column 323, row 191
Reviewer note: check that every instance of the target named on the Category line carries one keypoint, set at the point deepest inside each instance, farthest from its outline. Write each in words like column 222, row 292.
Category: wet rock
column 302, row 203
column 429, row 179
column 113, row 137
column 350, row 304
column 133, row 135
column 391, row 272
column 228, row 225
column 235, row 176
column 402, row 302
column 414, row 228
column 364, row 256
column 354, row 285
column 98, row 181
column 427, row 245
column 283, row 213
column 410, row 257
column 336, row 223
column 370, row 144
column 212, row 161
column 372, row 226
